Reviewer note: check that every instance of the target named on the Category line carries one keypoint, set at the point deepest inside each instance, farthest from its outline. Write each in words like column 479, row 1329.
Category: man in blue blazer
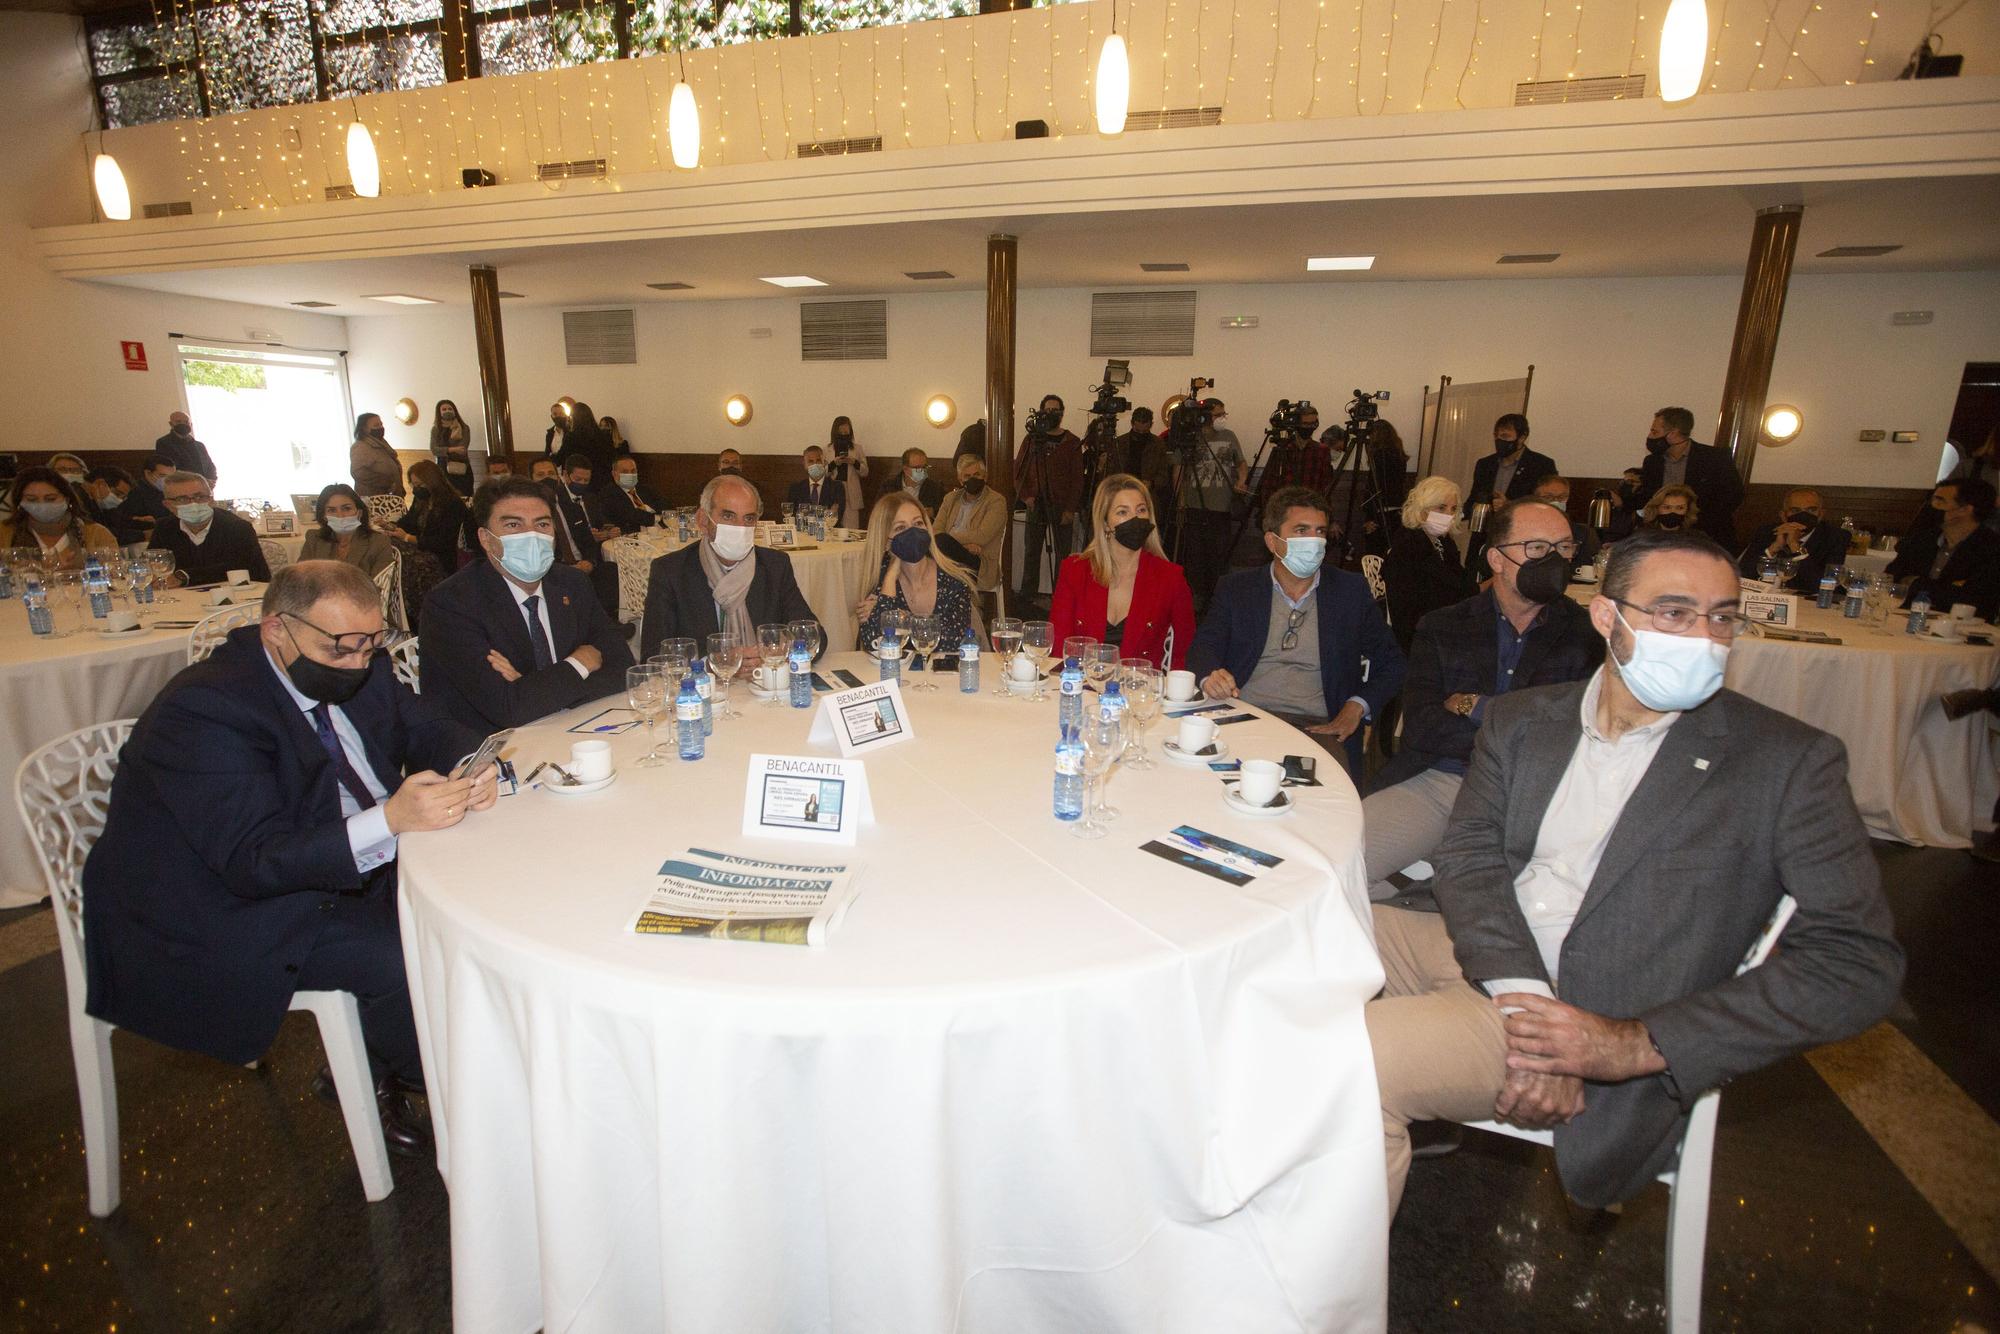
column 249, row 847
column 516, row 637
column 819, row 489
column 1296, row 639
column 723, row 581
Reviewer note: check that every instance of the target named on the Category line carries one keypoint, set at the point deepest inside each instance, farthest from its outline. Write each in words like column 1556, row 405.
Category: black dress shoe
column 405, row 1130
column 323, row 1086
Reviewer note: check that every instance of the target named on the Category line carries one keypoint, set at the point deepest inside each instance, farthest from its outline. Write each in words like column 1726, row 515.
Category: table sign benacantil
column 806, row 798
column 866, row 718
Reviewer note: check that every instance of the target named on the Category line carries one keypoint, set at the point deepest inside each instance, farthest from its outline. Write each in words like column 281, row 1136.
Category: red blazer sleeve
column 1077, row 605
column 1161, row 600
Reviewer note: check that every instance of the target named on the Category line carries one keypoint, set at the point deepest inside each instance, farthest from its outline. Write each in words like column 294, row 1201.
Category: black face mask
column 182, row 429
column 1543, row 579
column 1505, row 447
column 1132, row 533
column 974, row 485
column 378, row 433
column 731, row 471
column 1656, row 444
column 326, row 684
column 1669, row 521
column 911, row 545
column 1627, row 488
column 1803, row 518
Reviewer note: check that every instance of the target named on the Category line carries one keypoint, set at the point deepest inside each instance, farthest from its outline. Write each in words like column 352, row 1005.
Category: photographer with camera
column 1297, row 458
column 846, row 467
column 1210, row 474
column 1048, row 483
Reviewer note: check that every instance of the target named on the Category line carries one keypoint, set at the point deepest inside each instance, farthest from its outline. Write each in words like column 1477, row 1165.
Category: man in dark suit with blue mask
column 516, row 637
column 249, row 850
column 1299, row 640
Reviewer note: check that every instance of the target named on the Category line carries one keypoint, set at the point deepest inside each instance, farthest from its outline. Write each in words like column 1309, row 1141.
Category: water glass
column 1006, row 636
column 1081, row 647
column 1101, row 664
column 162, row 562
column 725, row 659
column 1103, row 737
column 645, row 691
column 924, row 639
column 774, row 641
column 809, row 631
column 1143, row 684
column 1039, row 639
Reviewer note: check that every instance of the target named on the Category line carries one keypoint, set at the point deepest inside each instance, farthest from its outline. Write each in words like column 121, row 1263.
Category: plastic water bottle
column 968, row 663
column 1069, row 700
column 687, row 720
column 1114, row 703
column 6, row 580
column 1857, row 598
column 1920, row 613
column 704, row 685
column 97, row 584
column 801, row 663
column 889, row 659
column 41, row 620
column 1829, row 586
column 1069, row 776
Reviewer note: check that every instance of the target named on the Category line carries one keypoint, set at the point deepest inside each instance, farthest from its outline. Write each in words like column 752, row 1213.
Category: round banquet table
column 1916, row 777
column 55, row 686
column 1031, row 1082
column 832, row 576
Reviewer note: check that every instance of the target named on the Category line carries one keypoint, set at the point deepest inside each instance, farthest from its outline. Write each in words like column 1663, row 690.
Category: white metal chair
column 1688, row 1180
column 389, row 581
column 384, row 510
column 212, row 629
column 1371, row 570
column 633, row 556
column 275, row 554
column 63, row 790
column 403, row 662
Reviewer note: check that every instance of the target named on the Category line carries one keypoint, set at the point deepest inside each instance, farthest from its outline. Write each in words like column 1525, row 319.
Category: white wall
column 61, row 375
column 1606, row 354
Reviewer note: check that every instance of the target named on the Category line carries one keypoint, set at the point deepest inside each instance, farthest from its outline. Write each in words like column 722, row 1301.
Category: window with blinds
column 1142, row 324
column 844, row 331
column 600, row 338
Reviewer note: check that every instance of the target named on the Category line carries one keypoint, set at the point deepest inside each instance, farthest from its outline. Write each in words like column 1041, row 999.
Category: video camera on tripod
column 1288, row 420
column 1191, row 416
column 1361, row 409
column 1109, row 403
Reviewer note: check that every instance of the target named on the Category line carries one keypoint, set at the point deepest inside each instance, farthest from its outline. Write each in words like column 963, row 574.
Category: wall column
column 1758, row 314
column 492, row 362
column 1002, row 265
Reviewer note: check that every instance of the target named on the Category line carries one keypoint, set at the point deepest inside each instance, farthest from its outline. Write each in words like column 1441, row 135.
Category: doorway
column 275, row 420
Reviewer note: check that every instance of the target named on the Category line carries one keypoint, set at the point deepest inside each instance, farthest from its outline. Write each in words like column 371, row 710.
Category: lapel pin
column 1699, row 764
column 1704, row 763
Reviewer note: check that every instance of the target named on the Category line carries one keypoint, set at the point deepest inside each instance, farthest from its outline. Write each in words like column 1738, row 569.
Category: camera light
column 1782, row 423
column 940, row 411
column 736, row 409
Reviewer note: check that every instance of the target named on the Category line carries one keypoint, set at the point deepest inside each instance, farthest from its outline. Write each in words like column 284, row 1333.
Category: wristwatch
column 1466, row 704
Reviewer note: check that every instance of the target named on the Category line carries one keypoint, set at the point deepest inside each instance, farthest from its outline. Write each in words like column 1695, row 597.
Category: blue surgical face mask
column 46, row 511
column 344, row 523
column 110, row 500
column 917, row 475
column 1672, row 673
column 194, row 515
column 527, row 556
column 815, row 470
column 1303, row 555
column 627, row 481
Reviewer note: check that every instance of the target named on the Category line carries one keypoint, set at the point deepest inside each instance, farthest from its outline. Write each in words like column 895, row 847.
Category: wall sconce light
column 406, row 411
column 940, row 411
column 1782, row 424
column 737, row 410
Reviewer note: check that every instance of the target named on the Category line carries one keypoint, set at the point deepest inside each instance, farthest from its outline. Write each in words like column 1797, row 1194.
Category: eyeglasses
column 355, row 643
column 1292, row 624
column 1675, row 618
column 1535, row 548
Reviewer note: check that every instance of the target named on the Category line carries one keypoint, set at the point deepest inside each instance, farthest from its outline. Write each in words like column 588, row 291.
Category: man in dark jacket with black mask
column 1521, row 631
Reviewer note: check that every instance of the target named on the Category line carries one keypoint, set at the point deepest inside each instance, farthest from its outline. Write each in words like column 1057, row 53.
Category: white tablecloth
column 833, row 578
column 1033, row 1083
column 1873, row 561
column 54, row 686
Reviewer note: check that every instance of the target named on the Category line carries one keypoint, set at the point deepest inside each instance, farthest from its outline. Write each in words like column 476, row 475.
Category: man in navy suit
column 516, row 637
column 724, row 581
column 816, row 489
column 1296, row 639
column 249, row 850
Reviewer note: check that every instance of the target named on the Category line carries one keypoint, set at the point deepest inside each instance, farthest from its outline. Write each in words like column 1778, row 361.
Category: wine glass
column 895, row 625
column 924, row 639
column 685, row 649
column 1103, row 736
column 1038, row 638
column 789, row 510
column 1006, row 636
column 1100, row 664
column 774, row 641
column 725, row 659
column 162, row 562
column 1079, row 647
column 645, row 691
column 807, row 630
column 71, row 584
column 1142, row 683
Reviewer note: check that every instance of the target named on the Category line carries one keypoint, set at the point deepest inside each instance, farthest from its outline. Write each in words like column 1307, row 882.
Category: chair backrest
column 1371, row 570
column 633, row 556
column 389, row 580
column 212, row 629
column 385, row 509
column 403, row 662
column 276, row 554
column 63, row 790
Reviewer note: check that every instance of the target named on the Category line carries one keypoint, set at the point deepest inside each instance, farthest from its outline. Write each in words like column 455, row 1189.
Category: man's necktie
column 538, row 637
column 350, row 779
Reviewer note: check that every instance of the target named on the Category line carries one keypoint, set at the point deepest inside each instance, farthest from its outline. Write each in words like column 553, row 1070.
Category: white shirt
column 368, row 836
column 1601, row 777
column 198, row 535
column 521, row 596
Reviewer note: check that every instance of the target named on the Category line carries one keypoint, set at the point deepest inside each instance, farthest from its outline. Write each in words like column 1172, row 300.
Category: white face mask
column 1436, row 524
column 733, row 542
column 344, row 523
column 1672, row 673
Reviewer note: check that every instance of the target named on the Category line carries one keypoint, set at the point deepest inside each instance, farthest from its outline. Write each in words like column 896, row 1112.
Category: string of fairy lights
column 611, row 109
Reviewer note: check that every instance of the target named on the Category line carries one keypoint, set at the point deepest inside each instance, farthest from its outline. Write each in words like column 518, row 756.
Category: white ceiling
column 1942, row 224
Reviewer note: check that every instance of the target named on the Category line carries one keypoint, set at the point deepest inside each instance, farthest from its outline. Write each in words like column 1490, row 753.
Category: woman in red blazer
column 1123, row 590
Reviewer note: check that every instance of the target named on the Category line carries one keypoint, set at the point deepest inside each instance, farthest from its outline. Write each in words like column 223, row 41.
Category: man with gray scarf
column 723, row 581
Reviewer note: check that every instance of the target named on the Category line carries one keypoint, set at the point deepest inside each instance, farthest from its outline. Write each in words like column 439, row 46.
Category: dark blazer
column 1825, row 545
column 1457, row 651
column 439, row 527
column 188, row 454
column 1420, row 578
column 1694, row 868
column 1353, row 640
column 930, row 493
column 472, row 613
column 1972, row 574
column 1717, row 487
column 615, row 507
column 834, row 495
column 680, row 605
column 224, row 846
column 231, row 545
column 1530, row 468
column 124, row 520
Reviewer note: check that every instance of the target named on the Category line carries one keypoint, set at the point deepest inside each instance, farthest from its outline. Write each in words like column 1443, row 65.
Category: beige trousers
column 1440, row 1050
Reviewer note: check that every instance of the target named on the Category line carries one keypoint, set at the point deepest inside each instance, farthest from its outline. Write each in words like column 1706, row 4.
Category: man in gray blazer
column 1616, row 847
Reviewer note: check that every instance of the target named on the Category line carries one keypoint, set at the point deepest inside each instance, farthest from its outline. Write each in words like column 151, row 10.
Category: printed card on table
column 807, row 798
column 1213, row 855
column 867, row 718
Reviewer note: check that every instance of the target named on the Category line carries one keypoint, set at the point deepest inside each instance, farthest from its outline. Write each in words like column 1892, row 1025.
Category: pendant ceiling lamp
column 363, row 167
column 114, row 198
column 684, row 123
column 1683, row 50
column 1114, row 80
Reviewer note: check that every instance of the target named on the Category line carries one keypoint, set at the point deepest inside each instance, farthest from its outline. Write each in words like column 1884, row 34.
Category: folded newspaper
column 724, row 896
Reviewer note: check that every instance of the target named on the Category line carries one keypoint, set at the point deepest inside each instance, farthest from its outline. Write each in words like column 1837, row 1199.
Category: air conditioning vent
column 1174, row 118
column 600, row 338
column 1142, row 324
column 844, row 331
column 839, row 147
column 580, row 169
column 176, row 208
column 1163, row 267
column 511, row 296
column 671, row 287
column 1529, row 259
column 313, row 305
column 340, row 192
column 927, row 275
column 1858, row 251
column 1610, row 88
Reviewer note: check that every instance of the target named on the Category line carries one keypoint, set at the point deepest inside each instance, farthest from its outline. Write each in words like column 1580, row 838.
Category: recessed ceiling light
column 1857, row 251
column 399, row 298
column 1546, row 258
column 313, row 305
column 793, row 280
column 1333, row 263
column 671, row 287
column 926, row 275
column 1163, row 266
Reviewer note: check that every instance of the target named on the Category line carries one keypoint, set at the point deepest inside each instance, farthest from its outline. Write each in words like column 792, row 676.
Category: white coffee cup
column 775, row 679
column 1195, row 735
column 238, row 578
column 120, row 620
column 1180, row 686
column 590, row 761
column 1964, row 611
column 1261, row 781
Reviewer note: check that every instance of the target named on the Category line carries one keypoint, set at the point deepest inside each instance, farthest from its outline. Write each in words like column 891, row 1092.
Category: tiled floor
column 243, row 1211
